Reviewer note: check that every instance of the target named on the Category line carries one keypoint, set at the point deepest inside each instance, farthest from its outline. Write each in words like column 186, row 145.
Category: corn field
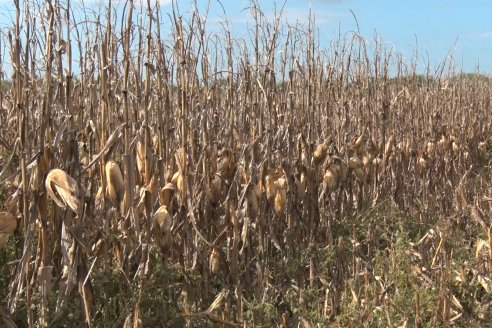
column 200, row 180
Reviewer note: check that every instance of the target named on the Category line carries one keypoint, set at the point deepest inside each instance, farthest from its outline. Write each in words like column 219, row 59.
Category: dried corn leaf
column 217, row 302
column 214, row 262
column 112, row 140
column 485, row 282
column 8, row 222
column 244, row 235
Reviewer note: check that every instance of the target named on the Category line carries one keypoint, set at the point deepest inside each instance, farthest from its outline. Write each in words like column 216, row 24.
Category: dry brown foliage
column 236, row 182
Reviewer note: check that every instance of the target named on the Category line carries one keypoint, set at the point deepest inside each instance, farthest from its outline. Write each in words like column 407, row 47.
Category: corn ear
column 115, row 187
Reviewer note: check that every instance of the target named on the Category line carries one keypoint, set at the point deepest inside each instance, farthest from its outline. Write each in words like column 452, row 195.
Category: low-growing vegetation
column 203, row 180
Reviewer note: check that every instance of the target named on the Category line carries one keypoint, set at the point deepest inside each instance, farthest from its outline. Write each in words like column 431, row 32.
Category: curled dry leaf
column 181, row 158
column 12, row 203
column 215, row 189
column 8, row 224
column 443, row 143
column 483, row 146
column 301, row 184
column 270, row 188
column 281, row 183
column 359, row 174
column 319, row 154
column 143, row 204
column 99, row 197
column 455, row 147
column 213, row 163
column 388, row 148
column 155, row 143
column 244, row 235
column 165, row 194
column 226, row 165
column 63, row 189
column 378, row 164
column 244, row 174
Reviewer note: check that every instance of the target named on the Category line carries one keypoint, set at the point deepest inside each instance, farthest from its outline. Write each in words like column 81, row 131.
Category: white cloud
column 135, row 2
column 162, row 3
column 484, row 34
column 290, row 15
column 480, row 34
column 301, row 15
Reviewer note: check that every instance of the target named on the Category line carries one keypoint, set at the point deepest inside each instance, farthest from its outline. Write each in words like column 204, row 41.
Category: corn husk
column 162, row 225
column 422, row 164
column 252, row 198
column 214, row 261
column 178, row 182
column 63, row 189
column 319, row 154
column 431, row 149
column 330, row 179
column 355, row 162
column 115, row 187
column 280, row 200
column 367, row 160
column 141, row 161
column 359, row 142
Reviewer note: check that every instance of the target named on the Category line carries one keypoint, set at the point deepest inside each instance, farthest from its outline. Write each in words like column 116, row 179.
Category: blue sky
column 437, row 28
